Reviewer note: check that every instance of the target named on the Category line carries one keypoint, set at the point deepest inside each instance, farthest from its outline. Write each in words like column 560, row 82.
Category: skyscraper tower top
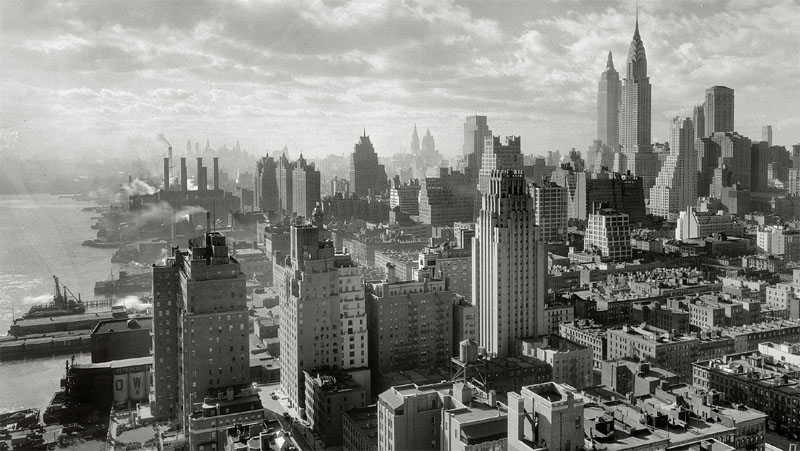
column 637, row 60
column 415, row 141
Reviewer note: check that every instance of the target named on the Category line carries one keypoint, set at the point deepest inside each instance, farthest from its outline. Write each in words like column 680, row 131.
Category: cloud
column 270, row 71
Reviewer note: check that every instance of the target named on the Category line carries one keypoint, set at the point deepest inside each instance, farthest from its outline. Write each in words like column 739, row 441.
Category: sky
column 107, row 77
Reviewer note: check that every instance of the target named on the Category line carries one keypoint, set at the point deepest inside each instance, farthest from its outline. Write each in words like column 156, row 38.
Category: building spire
column 610, row 63
column 636, row 32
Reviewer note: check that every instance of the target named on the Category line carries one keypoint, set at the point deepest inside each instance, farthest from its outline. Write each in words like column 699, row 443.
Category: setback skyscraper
column 635, row 116
column 414, row 141
column 366, row 174
column 719, row 110
column 676, row 184
column 608, row 97
column 509, row 265
column 699, row 121
column 476, row 130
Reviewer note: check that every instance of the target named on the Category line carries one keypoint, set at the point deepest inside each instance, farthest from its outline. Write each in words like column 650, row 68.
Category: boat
column 103, row 244
column 125, row 283
column 62, row 305
column 22, row 419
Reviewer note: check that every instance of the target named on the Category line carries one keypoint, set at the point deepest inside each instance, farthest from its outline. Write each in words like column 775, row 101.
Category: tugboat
column 61, row 305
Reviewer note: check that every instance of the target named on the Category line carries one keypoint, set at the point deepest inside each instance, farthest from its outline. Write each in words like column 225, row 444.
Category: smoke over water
column 41, row 299
column 138, row 187
column 133, row 303
column 162, row 258
column 163, row 213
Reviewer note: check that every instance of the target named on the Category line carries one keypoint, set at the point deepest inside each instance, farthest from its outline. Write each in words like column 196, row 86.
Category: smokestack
column 166, row 174
column 208, row 221
column 184, row 182
column 199, row 174
column 204, row 185
column 170, row 154
column 216, row 173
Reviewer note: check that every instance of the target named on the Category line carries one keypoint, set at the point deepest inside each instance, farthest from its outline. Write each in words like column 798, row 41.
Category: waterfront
column 42, row 237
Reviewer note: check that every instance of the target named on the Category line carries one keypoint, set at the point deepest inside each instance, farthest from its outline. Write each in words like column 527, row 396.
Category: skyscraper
column 323, row 312
column 608, row 97
column 476, row 130
column 366, row 174
column 414, row 141
column 635, row 115
column 497, row 155
column 766, row 134
column 699, row 121
column 509, row 265
column 719, row 110
column 676, row 184
column 305, row 188
column 428, row 145
column 550, row 207
column 267, row 197
column 201, row 349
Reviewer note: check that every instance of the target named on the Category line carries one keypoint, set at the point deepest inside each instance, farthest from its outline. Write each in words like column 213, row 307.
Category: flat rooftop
column 121, row 325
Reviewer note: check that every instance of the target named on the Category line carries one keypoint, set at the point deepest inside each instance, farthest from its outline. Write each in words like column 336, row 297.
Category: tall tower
column 635, row 115
column 428, row 145
column 699, row 121
column 766, row 134
column 414, row 141
column 608, row 97
column 366, row 174
column 509, row 265
column 676, row 184
column 323, row 312
column 719, row 110
column 476, row 130
column 201, row 349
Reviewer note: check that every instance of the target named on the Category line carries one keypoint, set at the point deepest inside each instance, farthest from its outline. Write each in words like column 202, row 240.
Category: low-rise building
column 328, row 396
column 571, row 362
column 118, row 339
column 588, row 334
column 360, row 429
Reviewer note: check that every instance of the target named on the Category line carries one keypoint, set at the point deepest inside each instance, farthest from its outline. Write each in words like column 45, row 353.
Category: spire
column 610, row 63
column 636, row 32
column 365, row 131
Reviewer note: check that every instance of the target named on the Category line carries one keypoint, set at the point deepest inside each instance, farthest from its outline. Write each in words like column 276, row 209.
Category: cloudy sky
column 111, row 76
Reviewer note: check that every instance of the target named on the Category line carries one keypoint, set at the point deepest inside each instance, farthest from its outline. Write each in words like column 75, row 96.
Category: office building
column 509, row 265
column 405, row 196
column 699, row 121
column 608, row 233
column 120, row 339
column 323, row 312
column 305, row 188
column 498, row 156
column 476, row 131
column 267, row 197
column 447, row 198
column 766, row 134
column 200, row 341
column 676, row 185
column 608, row 98
column 719, row 110
column 623, row 193
column 635, row 116
column 414, row 141
column 328, row 396
column 367, row 176
column 283, row 176
column 550, row 207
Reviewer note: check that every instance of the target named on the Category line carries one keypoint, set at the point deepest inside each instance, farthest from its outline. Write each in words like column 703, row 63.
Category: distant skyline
column 110, row 76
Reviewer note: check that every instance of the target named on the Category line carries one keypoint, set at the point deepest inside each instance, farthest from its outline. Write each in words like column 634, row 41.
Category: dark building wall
column 120, row 341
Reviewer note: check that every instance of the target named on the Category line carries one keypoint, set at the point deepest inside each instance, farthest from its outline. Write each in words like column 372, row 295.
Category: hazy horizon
column 108, row 77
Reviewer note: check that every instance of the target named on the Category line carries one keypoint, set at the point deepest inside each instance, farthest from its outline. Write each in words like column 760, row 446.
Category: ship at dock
column 125, row 283
column 62, row 304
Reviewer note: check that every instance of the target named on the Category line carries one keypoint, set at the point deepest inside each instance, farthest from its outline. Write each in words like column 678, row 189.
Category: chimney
column 184, row 183
column 216, row 173
column 166, row 173
column 199, row 177
column 204, row 185
column 170, row 154
column 208, row 221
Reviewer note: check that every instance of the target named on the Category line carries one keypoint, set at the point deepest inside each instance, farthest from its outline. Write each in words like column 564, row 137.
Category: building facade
column 608, row 98
column 676, row 184
column 719, row 110
column 367, row 176
column 509, row 265
column 550, row 207
column 609, row 234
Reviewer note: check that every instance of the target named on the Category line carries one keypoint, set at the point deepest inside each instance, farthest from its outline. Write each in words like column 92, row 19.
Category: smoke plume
column 41, row 299
column 138, row 187
column 161, row 137
column 163, row 213
column 133, row 303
